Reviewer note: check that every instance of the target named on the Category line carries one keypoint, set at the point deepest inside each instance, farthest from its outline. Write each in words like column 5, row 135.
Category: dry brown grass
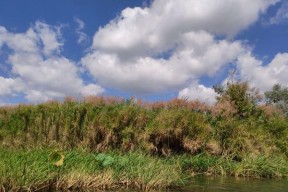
column 272, row 111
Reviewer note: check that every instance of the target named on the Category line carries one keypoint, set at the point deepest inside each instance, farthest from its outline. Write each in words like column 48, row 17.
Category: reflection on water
column 226, row 184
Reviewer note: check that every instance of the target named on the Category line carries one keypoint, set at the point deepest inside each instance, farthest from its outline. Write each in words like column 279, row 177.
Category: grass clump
column 34, row 169
column 24, row 170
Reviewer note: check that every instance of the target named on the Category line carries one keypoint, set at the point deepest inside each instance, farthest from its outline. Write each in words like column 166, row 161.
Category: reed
column 177, row 126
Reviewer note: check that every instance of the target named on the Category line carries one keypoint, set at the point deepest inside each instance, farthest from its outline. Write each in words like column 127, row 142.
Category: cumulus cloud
column 264, row 76
column 38, row 69
column 168, row 45
column 9, row 86
column 259, row 75
column 197, row 54
column 198, row 92
column 143, row 30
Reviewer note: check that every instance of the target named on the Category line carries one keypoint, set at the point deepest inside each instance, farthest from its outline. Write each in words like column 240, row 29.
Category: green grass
column 31, row 169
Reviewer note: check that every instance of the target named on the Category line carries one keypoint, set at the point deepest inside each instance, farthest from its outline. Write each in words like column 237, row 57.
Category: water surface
column 227, row 184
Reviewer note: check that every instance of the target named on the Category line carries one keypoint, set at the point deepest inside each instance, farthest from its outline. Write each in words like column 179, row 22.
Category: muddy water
column 227, row 184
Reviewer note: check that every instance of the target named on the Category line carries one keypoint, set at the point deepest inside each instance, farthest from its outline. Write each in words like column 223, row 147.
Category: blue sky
column 154, row 50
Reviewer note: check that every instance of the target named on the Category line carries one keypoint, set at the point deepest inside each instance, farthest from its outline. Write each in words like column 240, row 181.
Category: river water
column 228, row 184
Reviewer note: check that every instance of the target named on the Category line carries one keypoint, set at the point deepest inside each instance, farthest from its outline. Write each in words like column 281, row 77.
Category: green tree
column 278, row 96
column 241, row 97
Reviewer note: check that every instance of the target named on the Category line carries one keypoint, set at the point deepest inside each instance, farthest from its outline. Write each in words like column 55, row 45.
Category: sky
column 149, row 49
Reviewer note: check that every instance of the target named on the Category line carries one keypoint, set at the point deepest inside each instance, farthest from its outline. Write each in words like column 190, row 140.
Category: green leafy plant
column 105, row 160
column 278, row 96
column 56, row 158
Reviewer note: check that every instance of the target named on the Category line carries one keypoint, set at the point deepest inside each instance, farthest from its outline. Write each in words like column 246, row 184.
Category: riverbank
column 33, row 170
column 140, row 145
column 24, row 170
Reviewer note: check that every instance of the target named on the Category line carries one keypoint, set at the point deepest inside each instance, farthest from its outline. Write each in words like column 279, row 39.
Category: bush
column 238, row 99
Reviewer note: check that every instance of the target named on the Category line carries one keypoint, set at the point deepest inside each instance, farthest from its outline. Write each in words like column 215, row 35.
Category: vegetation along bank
column 107, row 143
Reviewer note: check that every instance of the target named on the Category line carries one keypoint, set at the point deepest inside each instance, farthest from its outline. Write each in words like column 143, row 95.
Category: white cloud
column 91, row 89
column 41, row 95
column 168, row 45
column 281, row 14
column 57, row 73
column 198, row 92
column 249, row 69
column 264, row 76
column 39, row 68
column 79, row 30
column 9, row 86
column 142, row 30
column 197, row 54
column 22, row 42
column 50, row 37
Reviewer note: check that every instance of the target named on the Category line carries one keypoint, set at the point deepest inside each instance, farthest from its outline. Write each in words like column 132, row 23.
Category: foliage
column 56, row 158
column 278, row 96
column 178, row 126
column 242, row 99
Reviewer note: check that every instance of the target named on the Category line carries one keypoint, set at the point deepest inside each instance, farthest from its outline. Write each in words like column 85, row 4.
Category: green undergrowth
column 32, row 170
column 24, row 170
